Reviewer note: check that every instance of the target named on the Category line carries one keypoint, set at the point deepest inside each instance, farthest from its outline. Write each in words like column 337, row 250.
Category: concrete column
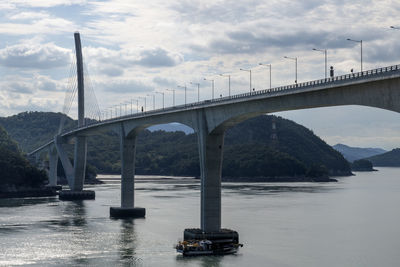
column 210, row 149
column 53, row 160
column 128, row 152
column 68, row 169
column 79, row 163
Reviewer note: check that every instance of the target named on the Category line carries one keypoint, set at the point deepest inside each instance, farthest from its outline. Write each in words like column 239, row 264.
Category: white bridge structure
column 210, row 119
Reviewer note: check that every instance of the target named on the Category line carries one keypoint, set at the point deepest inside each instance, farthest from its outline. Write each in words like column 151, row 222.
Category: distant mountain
column 355, row 153
column 388, row 159
column 171, row 127
column 265, row 146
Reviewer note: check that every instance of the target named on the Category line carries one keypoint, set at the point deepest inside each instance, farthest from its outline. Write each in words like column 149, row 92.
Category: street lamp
column 250, row 76
column 173, row 96
column 184, row 87
column 137, row 105
column 161, row 93
column 198, row 91
column 295, row 66
column 154, row 101
column 212, row 87
column 358, row 41
column 270, row 70
column 229, row 81
column 326, row 59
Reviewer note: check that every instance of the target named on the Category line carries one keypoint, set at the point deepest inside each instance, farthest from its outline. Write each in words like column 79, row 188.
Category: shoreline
column 34, row 192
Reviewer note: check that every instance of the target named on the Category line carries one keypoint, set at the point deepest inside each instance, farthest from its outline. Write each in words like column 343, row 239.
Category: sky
column 136, row 49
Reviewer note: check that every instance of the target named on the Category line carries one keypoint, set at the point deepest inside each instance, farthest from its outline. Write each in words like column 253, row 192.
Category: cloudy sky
column 134, row 48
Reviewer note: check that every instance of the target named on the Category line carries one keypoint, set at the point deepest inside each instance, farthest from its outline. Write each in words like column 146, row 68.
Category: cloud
column 123, row 86
column 34, row 56
column 29, row 15
column 164, row 81
column 158, row 58
column 48, row 3
column 28, row 85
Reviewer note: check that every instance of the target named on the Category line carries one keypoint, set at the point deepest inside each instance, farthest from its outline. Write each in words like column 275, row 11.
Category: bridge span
column 210, row 119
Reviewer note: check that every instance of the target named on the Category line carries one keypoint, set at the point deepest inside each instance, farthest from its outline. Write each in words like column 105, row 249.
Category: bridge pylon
column 76, row 174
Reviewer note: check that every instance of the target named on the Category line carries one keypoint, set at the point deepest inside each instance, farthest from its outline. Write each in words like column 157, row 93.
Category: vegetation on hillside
column 15, row 170
column 362, row 165
column 249, row 150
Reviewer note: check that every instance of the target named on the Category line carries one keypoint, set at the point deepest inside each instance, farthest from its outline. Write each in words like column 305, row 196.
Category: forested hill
column 388, row 159
column 249, row 151
column 15, row 170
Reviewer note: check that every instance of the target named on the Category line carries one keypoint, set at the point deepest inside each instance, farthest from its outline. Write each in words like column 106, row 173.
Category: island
column 18, row 177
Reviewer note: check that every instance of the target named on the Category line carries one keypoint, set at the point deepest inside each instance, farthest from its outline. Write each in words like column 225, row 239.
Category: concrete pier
column 70, row 195
column 53, row 160
column 210, row 153
column 128, row 154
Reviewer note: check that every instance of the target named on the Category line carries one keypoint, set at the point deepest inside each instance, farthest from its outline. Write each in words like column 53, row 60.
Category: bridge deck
column 321, row 84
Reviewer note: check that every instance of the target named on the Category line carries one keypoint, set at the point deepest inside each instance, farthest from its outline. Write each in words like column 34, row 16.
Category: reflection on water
column 74, row 214
column 18, row 202
column 299, row 224
column 127, row 242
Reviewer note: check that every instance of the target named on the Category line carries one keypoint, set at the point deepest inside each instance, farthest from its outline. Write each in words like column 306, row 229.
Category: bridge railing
column 292, row 87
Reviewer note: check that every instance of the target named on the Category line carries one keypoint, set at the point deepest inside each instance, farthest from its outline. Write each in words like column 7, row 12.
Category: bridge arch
column 378, row 94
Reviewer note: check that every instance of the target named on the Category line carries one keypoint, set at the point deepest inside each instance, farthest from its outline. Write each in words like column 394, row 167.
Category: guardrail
column 286, row 88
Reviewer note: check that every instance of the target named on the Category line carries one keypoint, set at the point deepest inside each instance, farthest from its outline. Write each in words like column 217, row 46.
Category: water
column 354, row 222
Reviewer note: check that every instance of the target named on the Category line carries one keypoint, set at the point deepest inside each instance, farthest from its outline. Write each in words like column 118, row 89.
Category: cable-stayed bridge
column 378, row 88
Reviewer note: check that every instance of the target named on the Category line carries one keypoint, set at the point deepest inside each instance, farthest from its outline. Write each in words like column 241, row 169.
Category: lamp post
column 249, row 71
column 358, row 41
column 295, row 66
column 161, row 93
column 212, row 87
column 173, row 96
column 326, row 59
column 198, row 91
column 270, row 71
column 154, row 101
column 184, row 87
column 229, row 81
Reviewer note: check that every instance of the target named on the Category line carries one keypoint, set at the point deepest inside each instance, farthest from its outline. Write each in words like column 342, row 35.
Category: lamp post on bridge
column 358, row 41
column 326, row 59
column 295, row 66
column 161, row 93
column 212, row 87
column 229, row 82
column 184, row 87
column 270, row 71
column 198, row 91
column 249, row 71
column 173, row 96
column 137, row 104
column 116, row 110
column 154, row 101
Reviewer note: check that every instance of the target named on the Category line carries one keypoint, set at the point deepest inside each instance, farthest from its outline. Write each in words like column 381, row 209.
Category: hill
column 355, row 153
column 388, row 159
column 249, row 150
column 16, row 173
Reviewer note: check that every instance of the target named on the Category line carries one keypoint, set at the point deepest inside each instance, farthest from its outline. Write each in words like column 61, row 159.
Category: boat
column 207, row 247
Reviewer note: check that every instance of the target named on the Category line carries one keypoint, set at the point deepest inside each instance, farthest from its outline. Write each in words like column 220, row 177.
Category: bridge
column 210, row 119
